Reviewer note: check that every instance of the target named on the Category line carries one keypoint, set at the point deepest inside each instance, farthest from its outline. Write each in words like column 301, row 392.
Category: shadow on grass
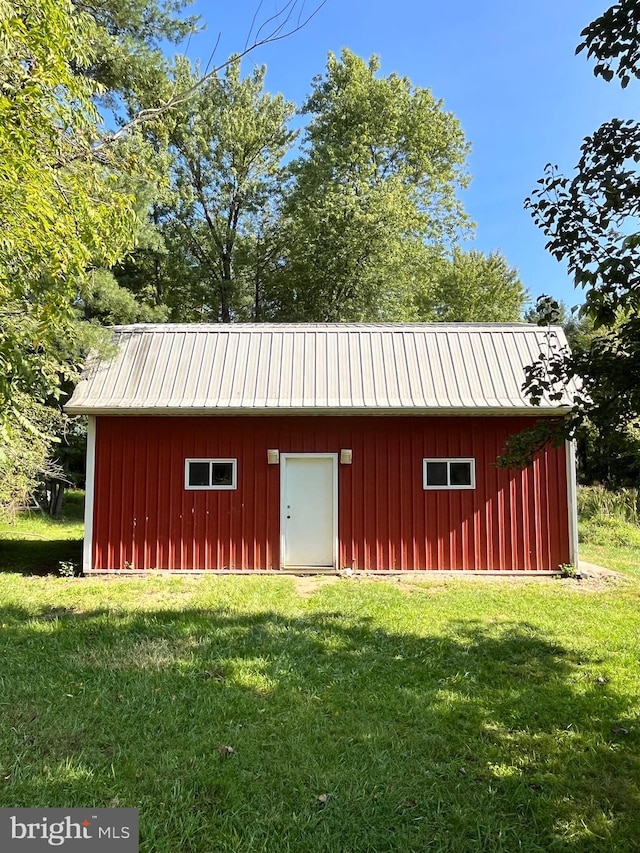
column 38, row 557
column 343, row 736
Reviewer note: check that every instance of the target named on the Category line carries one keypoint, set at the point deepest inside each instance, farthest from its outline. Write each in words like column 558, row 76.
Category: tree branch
column 283, row 28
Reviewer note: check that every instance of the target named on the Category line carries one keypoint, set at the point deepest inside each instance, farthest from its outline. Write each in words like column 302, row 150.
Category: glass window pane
column 436, row 473
column 222, row 474
column 199, row 473
column 460, row 474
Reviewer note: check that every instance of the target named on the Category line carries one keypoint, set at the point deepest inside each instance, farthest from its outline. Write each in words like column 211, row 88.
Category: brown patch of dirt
column 306, row 585
column 591, row 578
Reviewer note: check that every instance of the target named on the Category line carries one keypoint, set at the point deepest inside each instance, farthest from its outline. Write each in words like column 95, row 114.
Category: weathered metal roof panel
column 257, row 368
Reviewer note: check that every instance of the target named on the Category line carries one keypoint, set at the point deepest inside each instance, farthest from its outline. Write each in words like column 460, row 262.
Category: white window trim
column 448, row 460
column 234, row 475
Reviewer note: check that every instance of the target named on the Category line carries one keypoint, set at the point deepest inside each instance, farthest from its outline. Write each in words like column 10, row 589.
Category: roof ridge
column 240, row 327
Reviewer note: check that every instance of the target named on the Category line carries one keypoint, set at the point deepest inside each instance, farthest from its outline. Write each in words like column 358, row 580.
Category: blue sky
column 506, row 69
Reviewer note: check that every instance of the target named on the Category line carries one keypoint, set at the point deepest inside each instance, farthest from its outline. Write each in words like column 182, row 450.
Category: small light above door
column 345, row 457
column 273, row 457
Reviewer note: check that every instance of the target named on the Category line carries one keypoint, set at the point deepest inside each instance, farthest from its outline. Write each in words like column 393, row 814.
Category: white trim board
column 89, row 497
column 572, row 502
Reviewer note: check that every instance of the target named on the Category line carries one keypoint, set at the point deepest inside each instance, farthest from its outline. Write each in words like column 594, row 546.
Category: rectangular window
column 449, row 473
column 211, row 474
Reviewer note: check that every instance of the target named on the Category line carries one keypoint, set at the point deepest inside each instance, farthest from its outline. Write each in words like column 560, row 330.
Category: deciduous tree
column 590, row 219
column 67, row 198
column 373, row 198
column 60, row 208
column 472, row 287
column 228, row 142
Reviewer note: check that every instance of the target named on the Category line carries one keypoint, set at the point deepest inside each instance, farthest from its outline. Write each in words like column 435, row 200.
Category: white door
column 309, row 510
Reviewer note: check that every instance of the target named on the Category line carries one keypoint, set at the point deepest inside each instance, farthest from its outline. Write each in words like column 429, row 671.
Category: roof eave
column 227, row 411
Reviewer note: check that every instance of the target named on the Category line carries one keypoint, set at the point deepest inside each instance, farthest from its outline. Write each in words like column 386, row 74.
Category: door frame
column 334, row 515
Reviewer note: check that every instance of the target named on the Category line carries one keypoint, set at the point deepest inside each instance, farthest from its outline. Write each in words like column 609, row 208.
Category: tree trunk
column 56, row 498
column 225, row 288
column 256, row 307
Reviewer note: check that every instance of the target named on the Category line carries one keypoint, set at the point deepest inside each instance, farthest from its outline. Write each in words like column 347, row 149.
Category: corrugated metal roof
column 313, row 368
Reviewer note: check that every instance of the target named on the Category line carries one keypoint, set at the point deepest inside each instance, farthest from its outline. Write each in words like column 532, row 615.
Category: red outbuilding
column 321, row 447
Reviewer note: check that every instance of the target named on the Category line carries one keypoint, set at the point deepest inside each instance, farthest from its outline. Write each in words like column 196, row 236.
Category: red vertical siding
column 144, row 518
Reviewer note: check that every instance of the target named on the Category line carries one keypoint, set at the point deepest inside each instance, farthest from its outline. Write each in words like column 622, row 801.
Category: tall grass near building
column 598, row 502
column 609, row 528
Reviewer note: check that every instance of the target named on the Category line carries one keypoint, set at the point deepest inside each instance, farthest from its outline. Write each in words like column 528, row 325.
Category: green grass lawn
column 612, row 543
column 36, row 544
column 250, row 714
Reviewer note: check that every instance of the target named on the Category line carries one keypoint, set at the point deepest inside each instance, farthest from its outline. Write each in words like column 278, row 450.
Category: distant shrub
column 598, row 504
column 605, row 531
column 25, row 453
column 73, row 505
